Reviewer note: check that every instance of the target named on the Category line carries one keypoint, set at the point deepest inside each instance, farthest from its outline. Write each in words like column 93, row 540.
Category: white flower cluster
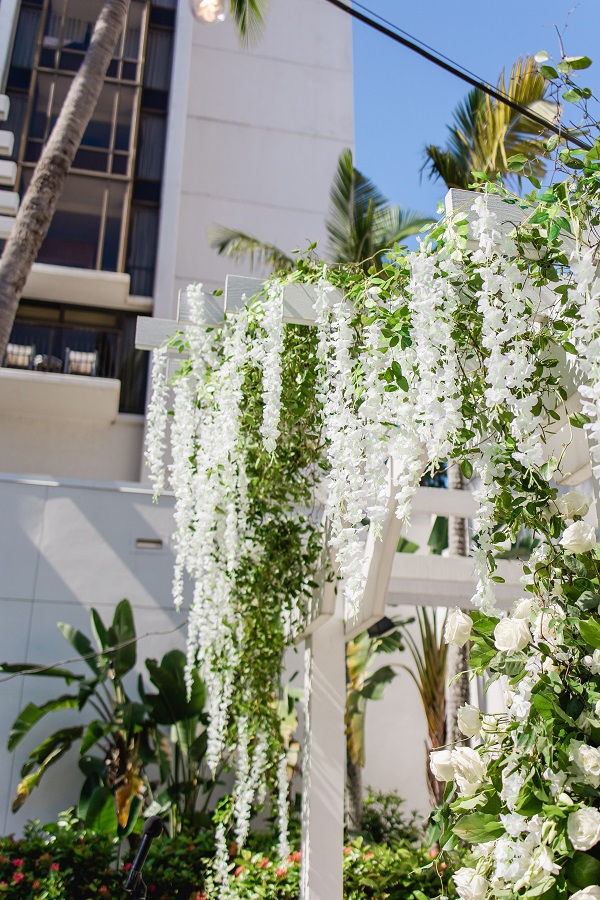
column 156, row 422
column 266, row 353
column 586, row 338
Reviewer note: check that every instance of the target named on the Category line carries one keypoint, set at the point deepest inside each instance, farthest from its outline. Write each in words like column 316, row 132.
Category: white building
column 190, row 130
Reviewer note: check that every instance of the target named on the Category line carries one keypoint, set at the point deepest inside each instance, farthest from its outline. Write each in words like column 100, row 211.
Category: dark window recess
column 26, row 36
column 19, row 79
column 163, row 14
column 141, row 255
column 146, row 191
column 159, row 55
column 52, row 328
column 155, row 100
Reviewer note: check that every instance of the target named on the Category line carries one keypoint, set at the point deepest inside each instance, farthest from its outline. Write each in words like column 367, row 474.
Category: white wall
column 257, row 144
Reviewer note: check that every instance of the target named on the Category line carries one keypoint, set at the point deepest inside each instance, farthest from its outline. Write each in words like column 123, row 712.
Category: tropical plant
column 430, row 655
column 362, row 685
column 361, row 226
column 39, row 202
column 125, row 731
column 486, row 133
column 385, row 820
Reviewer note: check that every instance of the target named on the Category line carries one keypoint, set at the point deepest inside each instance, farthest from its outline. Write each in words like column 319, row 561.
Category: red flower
column 238, row 871
column 296, row 856
column 17, row 877
column 263, row 863
column 281, row 872
column 369, row 855
column 18, row 862
column 347, row 850
column 152, row 888
column 233, row 848
column 36, row 885
column 191, row 847
column 127, row 867
column 103, row 889
column 55, row 867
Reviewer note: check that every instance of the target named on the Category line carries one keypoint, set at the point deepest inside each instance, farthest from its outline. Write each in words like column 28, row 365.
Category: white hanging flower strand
column 157, row 418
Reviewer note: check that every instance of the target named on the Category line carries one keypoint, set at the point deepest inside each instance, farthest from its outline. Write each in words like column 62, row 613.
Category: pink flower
column 281, row 872
column 347, row 850
column 18, row 862
column 17, row 877
column 55, row 867
column 369, row 855
column 127, row 867
column 238, row 871
column 103, row 889
column 294, row 857
column 263, row 863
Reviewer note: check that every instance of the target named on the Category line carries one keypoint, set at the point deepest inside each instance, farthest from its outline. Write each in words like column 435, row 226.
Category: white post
column 324, row 768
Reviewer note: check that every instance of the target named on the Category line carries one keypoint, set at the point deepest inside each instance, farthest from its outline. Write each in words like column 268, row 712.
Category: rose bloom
column 511, row 635
column 440, row 763
column 17, row 863
column 458, row 628
column 522, row 609
column 469, row 720
column 263, row 863
column 591, row 892
column 583, row 828
column 469, row 769
column 574, row 503
column 578, row 538
column 281, row 872
column 17, row 877
column 55, row 867
column 470, row 885
column 587, row 760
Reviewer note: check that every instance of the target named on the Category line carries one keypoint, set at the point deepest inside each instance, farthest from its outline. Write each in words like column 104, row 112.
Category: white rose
column 583, row 828
column 522, row 609
column 511, row 635
column 469, row 720
column 579, row 537
column 458, row 628
column 469, row 769
column 591, row 892
column 573, row 504
column 470, row 885
column 587, row 760
column 597, row 708
column 440, row 764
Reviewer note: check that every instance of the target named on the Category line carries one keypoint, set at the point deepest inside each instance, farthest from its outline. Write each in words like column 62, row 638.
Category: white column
column 324, row 767
column 9, row 13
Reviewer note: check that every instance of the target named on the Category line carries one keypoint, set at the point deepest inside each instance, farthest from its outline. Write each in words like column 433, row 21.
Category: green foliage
column 125, row 733
column 384, row 819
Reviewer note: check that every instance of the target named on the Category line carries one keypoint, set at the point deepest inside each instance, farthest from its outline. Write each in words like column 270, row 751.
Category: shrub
column 384, row 818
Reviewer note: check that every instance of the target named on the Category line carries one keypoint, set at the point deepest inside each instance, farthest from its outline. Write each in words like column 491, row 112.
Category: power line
column 443, row 62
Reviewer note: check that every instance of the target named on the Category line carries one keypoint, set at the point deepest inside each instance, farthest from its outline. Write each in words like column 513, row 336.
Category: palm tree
column 361, row 226
column 485, row 132
column 39, row 203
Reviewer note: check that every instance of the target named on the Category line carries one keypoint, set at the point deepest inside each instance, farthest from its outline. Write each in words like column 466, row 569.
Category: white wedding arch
column 405, row 385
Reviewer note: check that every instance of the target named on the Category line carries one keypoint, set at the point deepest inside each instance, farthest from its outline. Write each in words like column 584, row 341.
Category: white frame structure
column 391, row 579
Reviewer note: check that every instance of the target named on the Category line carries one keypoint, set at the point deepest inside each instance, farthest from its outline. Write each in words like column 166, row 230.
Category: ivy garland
column 460, row 350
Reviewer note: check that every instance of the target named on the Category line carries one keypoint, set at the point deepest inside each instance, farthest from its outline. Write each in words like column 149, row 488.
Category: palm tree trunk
column 458, row 657
column 35, row 215
column 354, row 791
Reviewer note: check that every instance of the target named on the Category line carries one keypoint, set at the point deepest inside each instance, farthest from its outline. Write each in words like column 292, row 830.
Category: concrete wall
column 254, row 137
column 65, row 547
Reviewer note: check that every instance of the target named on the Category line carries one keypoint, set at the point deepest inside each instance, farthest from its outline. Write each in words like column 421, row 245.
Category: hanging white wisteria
column 457, row 351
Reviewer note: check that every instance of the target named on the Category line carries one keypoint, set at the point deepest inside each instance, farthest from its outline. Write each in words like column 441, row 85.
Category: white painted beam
column 152, row 332
column 8, row 172
column 4, row 107
column 6, row 225
column 324, row 766
column 9, row 203
column 7, row 143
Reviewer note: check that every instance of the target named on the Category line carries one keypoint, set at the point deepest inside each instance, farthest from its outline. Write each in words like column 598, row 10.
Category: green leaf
column 478, row 828
column 550, row 73
column 375, row 684
column 467, row 469
column 573, row 95
column 578, row 419
column 590, row 632
column 81, row 644
column 171, row 704
column 583, row 870
column 101, row 813
column 95, row 731
column 48, row 752
column 99, row 629
column 122, row 631
column 31, row 714
column 569, row 63
column 36, row 669
column 517, row 162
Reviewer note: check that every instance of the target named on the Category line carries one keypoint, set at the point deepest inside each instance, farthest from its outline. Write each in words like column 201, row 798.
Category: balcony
column 86, row 352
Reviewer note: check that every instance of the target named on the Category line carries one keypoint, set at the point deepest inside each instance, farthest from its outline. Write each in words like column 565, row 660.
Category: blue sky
column 403, row 102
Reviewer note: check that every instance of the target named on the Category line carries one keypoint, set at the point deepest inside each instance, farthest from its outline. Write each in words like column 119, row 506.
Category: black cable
column 449, row 66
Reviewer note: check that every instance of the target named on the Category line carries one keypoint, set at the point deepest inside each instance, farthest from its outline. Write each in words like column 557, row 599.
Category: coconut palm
column 485, row 133
column 40, row 200
column 361, row 226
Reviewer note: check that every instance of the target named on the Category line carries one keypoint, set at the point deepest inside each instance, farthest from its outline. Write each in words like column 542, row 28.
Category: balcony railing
column 80, row 350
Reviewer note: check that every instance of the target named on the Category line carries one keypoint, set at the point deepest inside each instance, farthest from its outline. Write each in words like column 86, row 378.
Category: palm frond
column 393, row 224
column 443, row 164
column 243, row 247
column 249, row 17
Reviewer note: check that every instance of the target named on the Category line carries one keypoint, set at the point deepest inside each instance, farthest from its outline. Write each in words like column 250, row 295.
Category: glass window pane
column 26, row 38
column 151, row 146
column 143, row 237
column 16, row 119
column 157, row 67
